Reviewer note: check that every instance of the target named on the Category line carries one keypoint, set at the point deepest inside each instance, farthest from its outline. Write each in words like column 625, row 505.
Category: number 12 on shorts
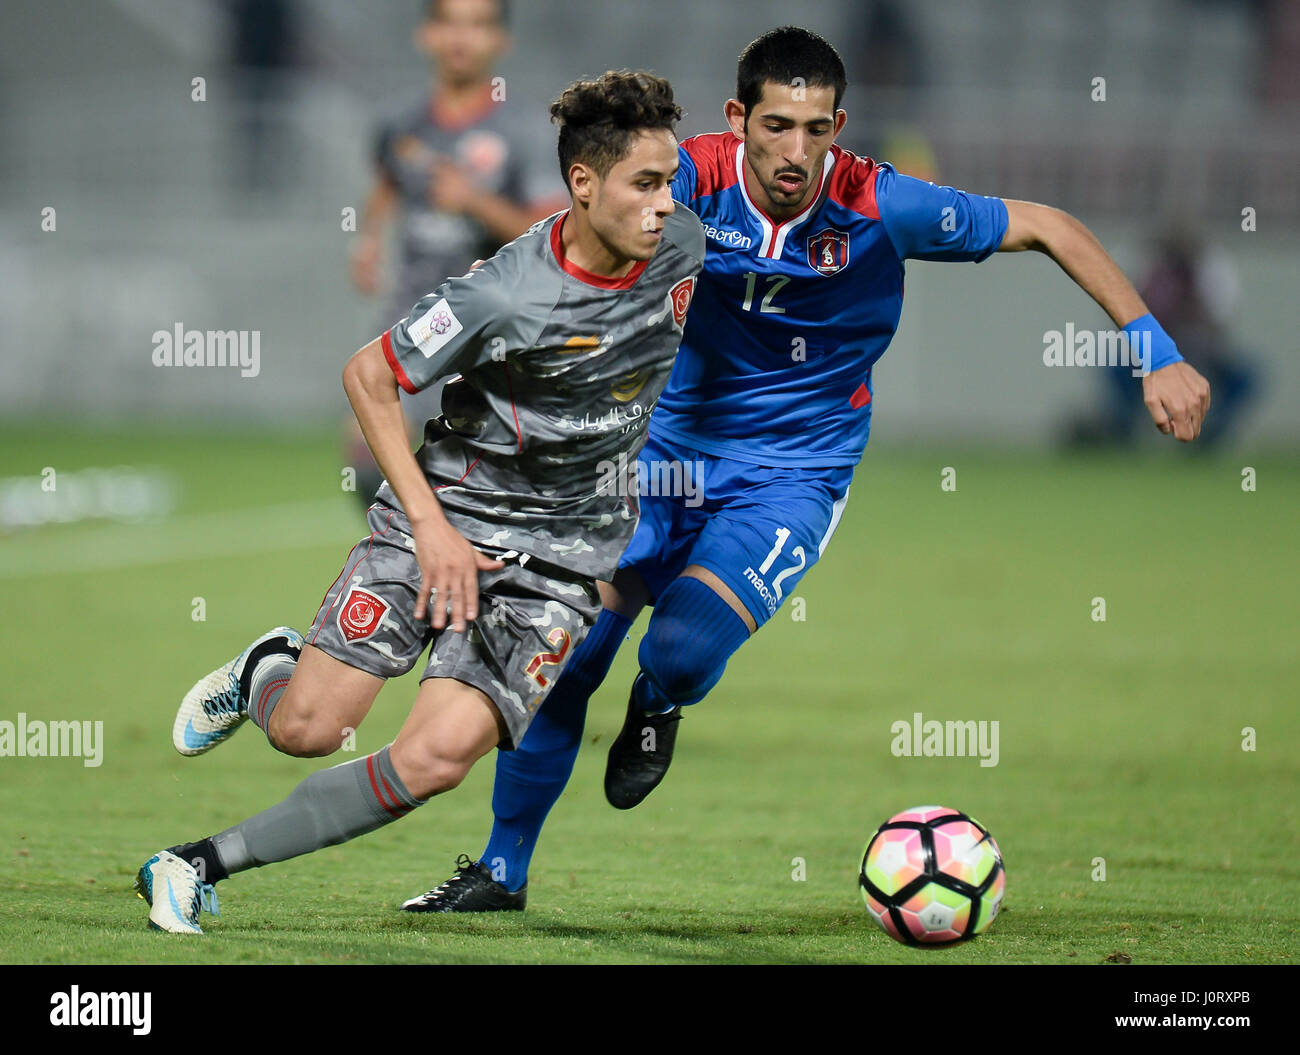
column 782, row 534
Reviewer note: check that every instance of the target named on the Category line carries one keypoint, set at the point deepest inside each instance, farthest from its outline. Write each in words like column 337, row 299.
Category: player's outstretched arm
column 1176, row 396
column 449, row 565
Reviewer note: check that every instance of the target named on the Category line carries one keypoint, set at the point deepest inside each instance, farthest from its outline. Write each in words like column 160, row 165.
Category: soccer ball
column 931, row 875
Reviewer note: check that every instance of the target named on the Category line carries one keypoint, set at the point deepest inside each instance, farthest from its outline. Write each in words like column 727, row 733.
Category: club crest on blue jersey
column 828, row 251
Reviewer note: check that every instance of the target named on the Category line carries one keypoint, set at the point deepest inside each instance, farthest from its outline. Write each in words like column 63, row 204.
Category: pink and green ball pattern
column 932, row 875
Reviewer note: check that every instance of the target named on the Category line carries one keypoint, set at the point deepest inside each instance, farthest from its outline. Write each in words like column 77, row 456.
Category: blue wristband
column 1150, row 344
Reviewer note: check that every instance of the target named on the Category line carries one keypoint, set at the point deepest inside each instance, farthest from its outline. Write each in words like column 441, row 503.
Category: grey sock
column 329, row 807
column 269, row 680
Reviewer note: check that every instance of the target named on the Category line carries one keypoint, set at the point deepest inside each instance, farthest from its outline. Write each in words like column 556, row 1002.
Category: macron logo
column 434, row 328
column 76, row 1008
column 731, row 239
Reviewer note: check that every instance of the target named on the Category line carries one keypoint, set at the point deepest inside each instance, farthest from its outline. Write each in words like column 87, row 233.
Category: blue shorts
column 759, row 528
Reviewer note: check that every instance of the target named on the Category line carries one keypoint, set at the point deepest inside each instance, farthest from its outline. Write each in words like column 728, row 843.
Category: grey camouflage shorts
column 531, row 618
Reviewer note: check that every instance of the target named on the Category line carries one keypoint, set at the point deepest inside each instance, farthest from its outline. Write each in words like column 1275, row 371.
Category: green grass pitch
column 1119, row 740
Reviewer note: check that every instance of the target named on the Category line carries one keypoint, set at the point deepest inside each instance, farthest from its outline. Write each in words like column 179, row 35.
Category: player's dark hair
column 503, row 11
column 792, row 56
column 599, row 119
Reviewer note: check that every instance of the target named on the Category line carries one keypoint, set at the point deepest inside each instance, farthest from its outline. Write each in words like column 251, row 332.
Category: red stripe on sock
column 374, row 786
column 389, row 788
column 271, row 686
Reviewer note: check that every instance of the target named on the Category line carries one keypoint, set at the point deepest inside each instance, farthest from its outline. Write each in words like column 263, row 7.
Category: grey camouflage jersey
column 559, row 371
column 506, row 150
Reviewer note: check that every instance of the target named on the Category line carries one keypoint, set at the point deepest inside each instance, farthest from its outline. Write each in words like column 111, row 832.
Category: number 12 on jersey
column 775, row 283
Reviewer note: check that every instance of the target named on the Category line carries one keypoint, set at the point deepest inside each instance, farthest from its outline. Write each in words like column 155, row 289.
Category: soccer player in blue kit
column 771, row 397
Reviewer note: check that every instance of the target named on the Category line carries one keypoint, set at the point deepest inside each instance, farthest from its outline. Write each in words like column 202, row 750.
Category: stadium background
column 156, row 222
column 166, row 213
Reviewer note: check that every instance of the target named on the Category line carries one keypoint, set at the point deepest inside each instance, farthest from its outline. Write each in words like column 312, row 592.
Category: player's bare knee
column 302, row 735
column 427, row 770
column 441, row 775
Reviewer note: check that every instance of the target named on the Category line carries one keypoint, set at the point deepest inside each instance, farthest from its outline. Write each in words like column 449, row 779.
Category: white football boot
column 175, row 893
column 212, row 710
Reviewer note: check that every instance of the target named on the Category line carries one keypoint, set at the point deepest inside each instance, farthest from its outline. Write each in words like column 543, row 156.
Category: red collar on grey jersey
column 582, row 274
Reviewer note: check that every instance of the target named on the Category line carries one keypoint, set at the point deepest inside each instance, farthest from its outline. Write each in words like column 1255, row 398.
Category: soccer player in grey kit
column 489, row 541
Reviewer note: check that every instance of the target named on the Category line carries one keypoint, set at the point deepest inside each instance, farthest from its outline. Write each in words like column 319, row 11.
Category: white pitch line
column 67, row 549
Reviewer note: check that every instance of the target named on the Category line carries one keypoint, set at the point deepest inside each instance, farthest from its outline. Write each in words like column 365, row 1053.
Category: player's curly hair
column 599, row 119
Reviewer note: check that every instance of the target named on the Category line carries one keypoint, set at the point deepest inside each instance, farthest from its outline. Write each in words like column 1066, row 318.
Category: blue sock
column 530, row 778
column 691, row 635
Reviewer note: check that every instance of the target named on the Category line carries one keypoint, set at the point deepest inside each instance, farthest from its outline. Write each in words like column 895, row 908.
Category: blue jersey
column 789, row 317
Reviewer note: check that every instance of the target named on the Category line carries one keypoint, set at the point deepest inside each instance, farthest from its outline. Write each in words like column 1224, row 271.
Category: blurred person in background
column 1193, row 289
column 885, row 57
column 1278, row 27
column 265, row 47
column 461, row 172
